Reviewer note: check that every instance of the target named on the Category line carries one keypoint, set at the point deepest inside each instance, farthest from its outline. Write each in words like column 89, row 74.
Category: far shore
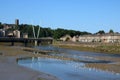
column 109, row 48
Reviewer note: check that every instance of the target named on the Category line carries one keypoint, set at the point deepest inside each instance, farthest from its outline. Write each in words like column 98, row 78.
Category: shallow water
column 88, row 57
column 74, row 52
column 88, row 67
column 68, row 70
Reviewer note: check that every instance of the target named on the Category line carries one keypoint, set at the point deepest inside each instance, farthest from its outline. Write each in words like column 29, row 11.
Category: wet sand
column 10, row 70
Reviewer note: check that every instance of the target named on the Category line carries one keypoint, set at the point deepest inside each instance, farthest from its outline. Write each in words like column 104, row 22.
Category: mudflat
column 10, row 70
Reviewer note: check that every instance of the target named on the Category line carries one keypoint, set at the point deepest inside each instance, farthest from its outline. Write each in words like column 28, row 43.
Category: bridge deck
column 12, row 39
column 26, row 40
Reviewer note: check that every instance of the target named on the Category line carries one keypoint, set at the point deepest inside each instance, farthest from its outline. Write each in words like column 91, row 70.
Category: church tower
column 17, row 22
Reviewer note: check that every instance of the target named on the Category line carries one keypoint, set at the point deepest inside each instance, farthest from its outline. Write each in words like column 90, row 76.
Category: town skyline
column 80, row 15
column 17, row 30
column 17, row 21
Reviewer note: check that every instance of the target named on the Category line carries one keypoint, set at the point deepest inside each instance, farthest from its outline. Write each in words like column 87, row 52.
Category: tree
column 1, row 26
column 111, row 31
column 101, row 32
column 58, row 33
column 0, row 23
column 48, row 32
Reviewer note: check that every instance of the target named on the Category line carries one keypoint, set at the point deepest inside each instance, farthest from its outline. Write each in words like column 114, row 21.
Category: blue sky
column 81, row 15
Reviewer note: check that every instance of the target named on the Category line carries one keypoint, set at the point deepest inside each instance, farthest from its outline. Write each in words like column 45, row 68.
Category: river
column 92, row 66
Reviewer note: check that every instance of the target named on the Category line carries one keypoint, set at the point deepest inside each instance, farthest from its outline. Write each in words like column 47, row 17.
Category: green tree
column 48, row 32
column 58, row 33
column 101, row 32
column 1, row 26
column 111, row 31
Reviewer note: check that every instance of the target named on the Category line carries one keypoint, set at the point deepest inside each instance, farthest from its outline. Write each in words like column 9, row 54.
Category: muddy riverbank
column 92, row 61
column 109, row 48
column 10, row 70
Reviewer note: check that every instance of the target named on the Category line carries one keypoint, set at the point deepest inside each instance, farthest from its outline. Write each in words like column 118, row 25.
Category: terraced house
column 104, row 38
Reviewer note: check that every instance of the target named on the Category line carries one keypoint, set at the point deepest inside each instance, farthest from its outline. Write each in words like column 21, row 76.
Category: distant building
column 25, row 35
column 2, row 33
column 16, row 33
column 89, row 38
column 9, row 34
column 6, row 26
column 75, row 38
column 66, row 38
column 17, row 22
column 104, row 38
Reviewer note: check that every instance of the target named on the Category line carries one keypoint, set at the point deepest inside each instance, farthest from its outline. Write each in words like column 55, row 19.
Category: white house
column 16, row 33
column 2, row 33
column 25, row 35
column 106, row 38
column 66, row 38
column 75, row 38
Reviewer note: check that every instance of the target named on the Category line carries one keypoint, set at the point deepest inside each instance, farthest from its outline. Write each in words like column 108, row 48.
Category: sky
column 80, row 15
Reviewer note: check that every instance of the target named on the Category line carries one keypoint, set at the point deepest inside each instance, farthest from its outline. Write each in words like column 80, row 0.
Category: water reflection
column 68, row 70
column 110, row 62
column 85, row 66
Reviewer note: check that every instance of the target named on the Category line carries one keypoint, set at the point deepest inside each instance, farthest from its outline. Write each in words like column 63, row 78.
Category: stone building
column 75, row 38
column 9, row 34
column 66, row 38
column 2, row 33
column 25, row 35
column 17, row 22
column 104, row 38
column 16, row 33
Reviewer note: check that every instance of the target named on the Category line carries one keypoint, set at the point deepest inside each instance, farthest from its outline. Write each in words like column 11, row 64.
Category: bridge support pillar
column 12, row 43
column 25, row 43
column 36, row 42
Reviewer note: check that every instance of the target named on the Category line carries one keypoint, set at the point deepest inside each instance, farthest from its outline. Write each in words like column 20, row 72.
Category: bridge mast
column 38, row 32
column 33, row 31
column 35, row 35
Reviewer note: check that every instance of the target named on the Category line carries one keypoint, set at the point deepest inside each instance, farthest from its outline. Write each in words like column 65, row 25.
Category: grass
column 108, row 48
column 102, row 48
